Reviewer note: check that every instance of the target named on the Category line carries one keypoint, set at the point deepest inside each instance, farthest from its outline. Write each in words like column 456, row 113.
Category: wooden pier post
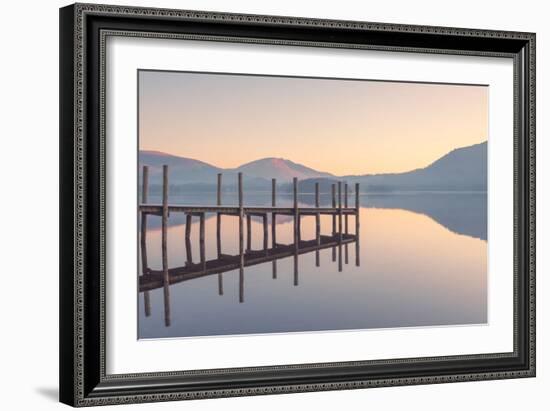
column 346, row 252
column 357, row 209
column 339, row 226
column 144, row 263
column 333, row 220
column 334, row 206
column 346, row 206
column 295, row 206
column 273, row 214
column 357, row 226
column 340, row 209
column 219, row 216
column 317, row 225
column 274, row 223
column 264, row 221
column 346, row 226
column 340, row 266
column 241, row 239
column 188, row 222
column 220, row 284
column 248, row 233
column 201, row 240
column 241, row 285
column 296, row 268
column 296, row 228
column 166, row 278
column 219, row 230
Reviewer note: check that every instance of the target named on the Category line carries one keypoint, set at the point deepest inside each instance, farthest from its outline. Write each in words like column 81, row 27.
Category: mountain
column 461, row 169
column 256, row 174
column 279, row 168
column 182, row 170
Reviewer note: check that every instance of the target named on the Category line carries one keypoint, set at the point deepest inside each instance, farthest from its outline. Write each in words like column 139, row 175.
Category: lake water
column 423, row 262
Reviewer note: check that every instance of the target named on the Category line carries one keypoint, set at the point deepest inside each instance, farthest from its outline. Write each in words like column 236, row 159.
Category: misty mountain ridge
column 279, row 168
column 462, row 169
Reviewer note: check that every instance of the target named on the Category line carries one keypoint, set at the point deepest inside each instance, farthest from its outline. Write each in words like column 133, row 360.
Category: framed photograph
column 261, row 204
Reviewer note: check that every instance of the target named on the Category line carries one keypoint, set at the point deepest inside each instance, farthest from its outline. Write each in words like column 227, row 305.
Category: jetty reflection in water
column 407, row 270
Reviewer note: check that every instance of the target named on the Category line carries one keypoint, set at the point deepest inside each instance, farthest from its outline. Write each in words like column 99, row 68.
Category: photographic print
column 272, row 204
column 338, row 204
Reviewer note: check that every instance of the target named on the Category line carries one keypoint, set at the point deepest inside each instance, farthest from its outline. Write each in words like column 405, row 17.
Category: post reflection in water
column 416, row 271
column 153, row 279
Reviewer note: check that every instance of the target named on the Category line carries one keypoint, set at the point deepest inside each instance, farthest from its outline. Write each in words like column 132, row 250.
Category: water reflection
column 419, row 266
column 460, row 212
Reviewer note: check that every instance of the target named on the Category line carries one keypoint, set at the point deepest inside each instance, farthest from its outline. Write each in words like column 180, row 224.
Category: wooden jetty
column 340, row 237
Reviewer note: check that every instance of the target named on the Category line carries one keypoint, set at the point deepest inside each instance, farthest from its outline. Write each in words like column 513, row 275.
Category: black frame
column 83, row 29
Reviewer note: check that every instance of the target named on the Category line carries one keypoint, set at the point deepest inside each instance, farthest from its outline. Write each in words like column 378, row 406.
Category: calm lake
column 422, row 262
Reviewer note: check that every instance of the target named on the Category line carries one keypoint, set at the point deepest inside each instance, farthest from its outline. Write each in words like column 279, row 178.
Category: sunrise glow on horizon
column 341, row 127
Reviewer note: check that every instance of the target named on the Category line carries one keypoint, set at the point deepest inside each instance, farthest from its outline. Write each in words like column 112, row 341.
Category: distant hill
column 182, row 170
column 186, row 174
column 279, row 168
column 192, row 173
column 462, row 169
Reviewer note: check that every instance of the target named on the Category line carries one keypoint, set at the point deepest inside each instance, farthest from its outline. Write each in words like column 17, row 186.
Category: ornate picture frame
column 84, row 30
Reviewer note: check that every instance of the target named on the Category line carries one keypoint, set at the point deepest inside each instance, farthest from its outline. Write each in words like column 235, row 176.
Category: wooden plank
column 228, row 210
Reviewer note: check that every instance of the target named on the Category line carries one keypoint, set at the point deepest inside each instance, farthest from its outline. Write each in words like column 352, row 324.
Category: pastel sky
column 337, row 126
